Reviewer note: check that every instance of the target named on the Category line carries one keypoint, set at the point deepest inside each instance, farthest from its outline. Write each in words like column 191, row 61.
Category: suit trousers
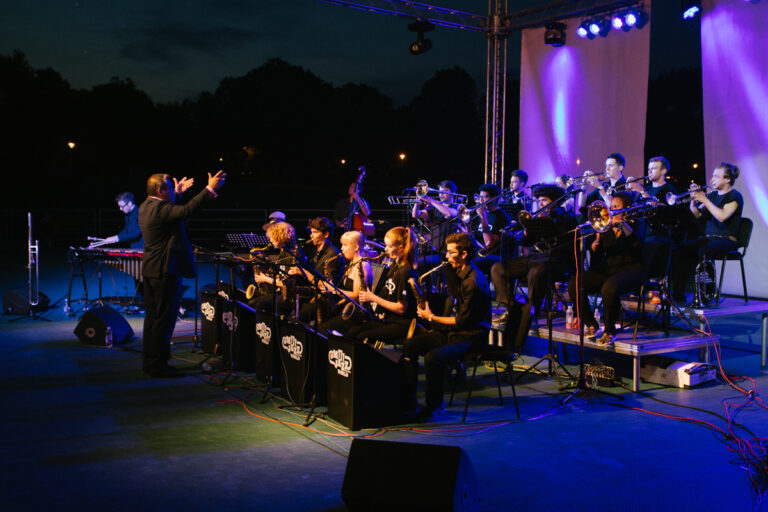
column 162, row 298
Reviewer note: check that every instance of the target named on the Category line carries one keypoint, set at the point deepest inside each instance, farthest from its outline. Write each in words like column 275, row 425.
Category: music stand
column 246, row 241
column 544, row 230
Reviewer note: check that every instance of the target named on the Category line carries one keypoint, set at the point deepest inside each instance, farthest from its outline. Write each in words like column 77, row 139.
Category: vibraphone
column 125, row 260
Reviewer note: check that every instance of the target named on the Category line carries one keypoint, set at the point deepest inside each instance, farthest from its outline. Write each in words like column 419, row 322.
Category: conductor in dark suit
column 168, row 257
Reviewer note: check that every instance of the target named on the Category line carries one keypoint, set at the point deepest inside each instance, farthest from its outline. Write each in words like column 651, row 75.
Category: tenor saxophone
column 421, row 296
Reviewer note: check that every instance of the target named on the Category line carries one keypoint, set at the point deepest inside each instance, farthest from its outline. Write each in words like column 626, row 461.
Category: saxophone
column 351, row 309
column 421, row 296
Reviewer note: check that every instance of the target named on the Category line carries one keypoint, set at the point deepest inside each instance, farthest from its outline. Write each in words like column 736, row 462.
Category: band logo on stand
column 341, row 361
column 293, row 346
column 264, row 333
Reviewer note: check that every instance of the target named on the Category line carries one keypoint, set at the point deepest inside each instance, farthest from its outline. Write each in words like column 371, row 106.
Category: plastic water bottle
column 569, row 317
column 108, row 338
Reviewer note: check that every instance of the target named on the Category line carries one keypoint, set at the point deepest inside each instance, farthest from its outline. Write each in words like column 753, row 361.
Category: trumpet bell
column 250, row 292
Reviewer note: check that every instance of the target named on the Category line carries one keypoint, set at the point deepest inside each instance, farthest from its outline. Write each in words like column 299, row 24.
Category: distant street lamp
column 71, row 144
column 401, row 156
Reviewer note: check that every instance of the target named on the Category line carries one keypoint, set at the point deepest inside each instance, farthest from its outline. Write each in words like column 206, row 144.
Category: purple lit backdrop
column 734, row 73
column 583, row 101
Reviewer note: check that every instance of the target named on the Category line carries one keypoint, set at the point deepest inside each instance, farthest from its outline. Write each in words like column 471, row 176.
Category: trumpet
column 685, row 197
column 580, row 180
column 420, row 295
column 619, row 188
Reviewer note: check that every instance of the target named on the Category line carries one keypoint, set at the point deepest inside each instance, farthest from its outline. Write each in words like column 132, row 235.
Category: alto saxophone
column 421, row 296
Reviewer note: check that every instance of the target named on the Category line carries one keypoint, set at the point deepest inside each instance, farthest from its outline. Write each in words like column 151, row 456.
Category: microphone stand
column 581, row 389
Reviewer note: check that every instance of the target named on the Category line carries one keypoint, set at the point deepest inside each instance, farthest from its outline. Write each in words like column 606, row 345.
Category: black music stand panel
column 210, row 321
column 304, row 362
column 266, row 356
column 364, row 384
column 237, row 335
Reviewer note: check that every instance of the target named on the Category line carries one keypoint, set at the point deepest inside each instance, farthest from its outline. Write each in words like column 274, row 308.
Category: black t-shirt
column 393, row 287
column 731, row 225
column 497, row 220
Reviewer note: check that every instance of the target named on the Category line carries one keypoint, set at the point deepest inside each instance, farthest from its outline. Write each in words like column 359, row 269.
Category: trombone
column 465, row 212
column 685, row 197
column 600, row 217
column 422, row 190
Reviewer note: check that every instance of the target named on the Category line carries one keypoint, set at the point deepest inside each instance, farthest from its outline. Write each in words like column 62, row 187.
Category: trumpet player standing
column 454, row 335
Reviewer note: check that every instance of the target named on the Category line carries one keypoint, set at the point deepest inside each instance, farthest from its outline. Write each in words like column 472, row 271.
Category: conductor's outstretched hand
column 216, row 181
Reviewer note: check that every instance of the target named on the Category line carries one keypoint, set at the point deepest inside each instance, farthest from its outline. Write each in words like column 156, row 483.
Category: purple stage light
column 582, row 32
column 690, row 13
column 617, row 23
column 594, row 28
column 630, row 19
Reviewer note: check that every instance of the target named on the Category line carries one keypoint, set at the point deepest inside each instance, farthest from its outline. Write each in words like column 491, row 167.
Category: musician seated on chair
column 516, row 193
column 487, row 227
column 614, row 174
column 657, row 236
column 453, row 335
column 391, row 307
column 130, row 234
column 549, row 260
column 439, row 217
column 274, row 273
column 620, row 272
column 720, row 212
column 324, row 258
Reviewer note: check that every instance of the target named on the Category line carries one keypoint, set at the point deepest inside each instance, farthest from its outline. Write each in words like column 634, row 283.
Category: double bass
column 357, row 220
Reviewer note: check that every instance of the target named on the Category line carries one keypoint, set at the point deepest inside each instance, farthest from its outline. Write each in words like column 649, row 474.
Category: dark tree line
column 280, row 132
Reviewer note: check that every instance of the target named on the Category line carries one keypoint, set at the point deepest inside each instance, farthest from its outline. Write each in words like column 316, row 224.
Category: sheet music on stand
column 246, row 241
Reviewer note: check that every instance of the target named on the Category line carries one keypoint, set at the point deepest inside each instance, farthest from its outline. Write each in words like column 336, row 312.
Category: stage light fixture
column 421, row 45
column 690, row 8
column 583, row 30
column 604, row 26
column 554, row 34
column 617, row 22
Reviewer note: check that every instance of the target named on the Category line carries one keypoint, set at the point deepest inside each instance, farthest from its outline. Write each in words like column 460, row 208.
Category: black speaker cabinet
column 210, row 321
column 363, row 384
column 237, row 335
column 304, row 360
column 16, row 302
column 92, row 327
column 429, row 477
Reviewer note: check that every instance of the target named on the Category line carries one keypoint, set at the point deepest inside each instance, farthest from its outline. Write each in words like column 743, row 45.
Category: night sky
column 175, row 49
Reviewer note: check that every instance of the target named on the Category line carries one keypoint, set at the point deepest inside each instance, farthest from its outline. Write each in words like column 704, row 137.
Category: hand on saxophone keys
column 425, row 313
column 366, row 296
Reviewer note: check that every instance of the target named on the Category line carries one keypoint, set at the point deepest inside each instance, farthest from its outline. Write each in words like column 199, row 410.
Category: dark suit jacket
column 167, row 249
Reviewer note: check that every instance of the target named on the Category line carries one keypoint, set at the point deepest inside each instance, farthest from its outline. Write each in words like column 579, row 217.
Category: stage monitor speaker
column 363, row 384
column 92, row 327
column 429, row 477
column 16, row 302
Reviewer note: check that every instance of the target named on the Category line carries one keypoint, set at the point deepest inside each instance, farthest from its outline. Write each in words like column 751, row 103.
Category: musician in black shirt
column 614, row 171
column 621, row 271
column 549, row 260
column 439, row 216
column 720, row 211
column 324, row 258
column 657, row 237
column 454, row 335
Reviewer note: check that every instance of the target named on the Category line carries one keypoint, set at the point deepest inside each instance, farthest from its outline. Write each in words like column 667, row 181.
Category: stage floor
column 82, row 426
